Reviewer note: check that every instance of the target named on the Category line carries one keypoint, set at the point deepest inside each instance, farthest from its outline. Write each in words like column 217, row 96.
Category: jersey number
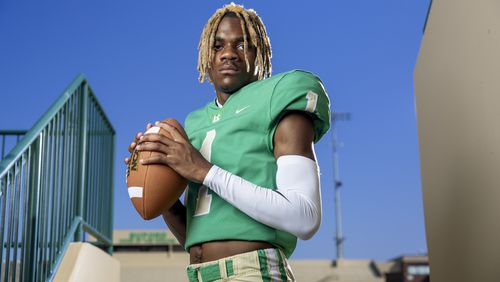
column 204, row 199
column 312, row 101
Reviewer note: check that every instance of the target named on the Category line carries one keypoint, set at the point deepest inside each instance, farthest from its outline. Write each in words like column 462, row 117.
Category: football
column 154, row 188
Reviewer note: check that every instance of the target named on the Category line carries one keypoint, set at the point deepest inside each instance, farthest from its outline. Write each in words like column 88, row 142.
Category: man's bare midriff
column 215, row 250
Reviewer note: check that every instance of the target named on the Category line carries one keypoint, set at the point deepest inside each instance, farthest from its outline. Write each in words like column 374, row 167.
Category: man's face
column 228, row 70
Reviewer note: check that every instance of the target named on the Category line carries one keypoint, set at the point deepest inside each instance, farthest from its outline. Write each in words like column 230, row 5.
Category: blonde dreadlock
column 251, row 23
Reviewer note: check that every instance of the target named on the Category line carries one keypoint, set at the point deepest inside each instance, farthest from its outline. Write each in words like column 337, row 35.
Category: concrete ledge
column 84, row 262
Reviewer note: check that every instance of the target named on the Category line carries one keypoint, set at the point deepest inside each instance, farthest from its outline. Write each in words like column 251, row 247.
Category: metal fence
column 5, row 134
column 56, row 185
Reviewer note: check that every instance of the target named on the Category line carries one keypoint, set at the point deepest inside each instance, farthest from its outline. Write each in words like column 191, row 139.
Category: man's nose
column 229, row 53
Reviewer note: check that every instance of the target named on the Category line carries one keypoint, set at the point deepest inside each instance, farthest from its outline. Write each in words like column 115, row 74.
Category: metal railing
column 56, row 185
column 4, row 134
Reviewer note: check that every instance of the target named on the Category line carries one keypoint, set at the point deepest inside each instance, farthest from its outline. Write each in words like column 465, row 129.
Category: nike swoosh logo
column 241, row 110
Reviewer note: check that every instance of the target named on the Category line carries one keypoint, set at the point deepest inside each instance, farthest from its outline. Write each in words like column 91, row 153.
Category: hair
column 251, row 24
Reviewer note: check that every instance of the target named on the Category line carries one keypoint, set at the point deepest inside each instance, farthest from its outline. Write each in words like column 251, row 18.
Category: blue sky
column 140, row 59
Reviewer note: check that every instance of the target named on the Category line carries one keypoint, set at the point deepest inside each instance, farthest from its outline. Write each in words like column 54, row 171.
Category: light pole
column 339, row 238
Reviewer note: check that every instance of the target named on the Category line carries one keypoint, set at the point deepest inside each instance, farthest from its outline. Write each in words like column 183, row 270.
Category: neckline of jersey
column 214, row 105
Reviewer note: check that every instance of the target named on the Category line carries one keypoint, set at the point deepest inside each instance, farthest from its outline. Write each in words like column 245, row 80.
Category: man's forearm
column 175, row 217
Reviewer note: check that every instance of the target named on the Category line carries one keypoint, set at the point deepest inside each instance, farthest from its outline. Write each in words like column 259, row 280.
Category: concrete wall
column 457, row 89
column 153, row 266
column 83, row 262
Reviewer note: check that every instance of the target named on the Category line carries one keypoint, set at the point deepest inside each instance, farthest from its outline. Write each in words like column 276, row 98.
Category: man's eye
column 241, row 46
column 217, row 47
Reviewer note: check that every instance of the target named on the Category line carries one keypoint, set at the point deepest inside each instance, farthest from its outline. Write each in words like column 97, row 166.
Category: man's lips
column 229, row 70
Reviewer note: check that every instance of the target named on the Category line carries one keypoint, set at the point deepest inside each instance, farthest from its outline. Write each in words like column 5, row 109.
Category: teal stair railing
column 56, row 186
column 5, row 134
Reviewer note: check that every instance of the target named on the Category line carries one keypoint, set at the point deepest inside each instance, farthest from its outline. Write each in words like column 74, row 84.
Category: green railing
column 56, row 186
column 4, row 134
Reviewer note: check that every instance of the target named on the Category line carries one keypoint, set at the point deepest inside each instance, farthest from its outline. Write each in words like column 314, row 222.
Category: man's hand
column 132, row 145
column 177, row 153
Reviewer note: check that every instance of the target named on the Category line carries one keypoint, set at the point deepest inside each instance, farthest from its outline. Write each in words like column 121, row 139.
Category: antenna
column 339, row 238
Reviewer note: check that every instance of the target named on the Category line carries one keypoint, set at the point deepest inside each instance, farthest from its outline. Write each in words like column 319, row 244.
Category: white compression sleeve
column 295, row 206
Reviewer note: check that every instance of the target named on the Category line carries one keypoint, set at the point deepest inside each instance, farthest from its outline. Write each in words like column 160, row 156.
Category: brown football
column 154, row 188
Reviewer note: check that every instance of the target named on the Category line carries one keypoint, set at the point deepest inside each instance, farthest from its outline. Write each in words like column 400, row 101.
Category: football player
column 254, row 181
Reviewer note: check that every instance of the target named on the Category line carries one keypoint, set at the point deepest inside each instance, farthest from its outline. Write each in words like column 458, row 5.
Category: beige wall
column 83, row 262
column 457, row 89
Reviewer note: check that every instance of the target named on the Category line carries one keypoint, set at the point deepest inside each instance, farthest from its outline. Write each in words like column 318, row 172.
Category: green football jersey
column 239, row 138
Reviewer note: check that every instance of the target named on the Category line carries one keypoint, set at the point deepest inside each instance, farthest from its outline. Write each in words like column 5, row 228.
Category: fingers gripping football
column 176, row 152
column 133, row 145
